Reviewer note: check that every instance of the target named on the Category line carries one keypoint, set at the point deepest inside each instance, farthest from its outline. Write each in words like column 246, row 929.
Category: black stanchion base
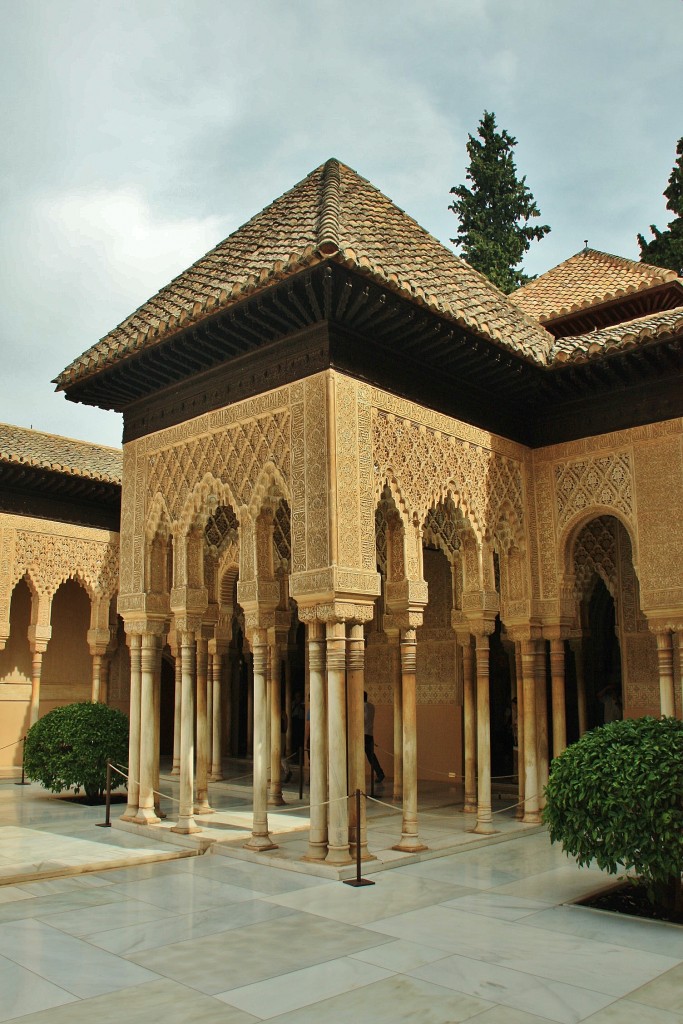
column 102, row 824
column 355, row 882
column 22, row 783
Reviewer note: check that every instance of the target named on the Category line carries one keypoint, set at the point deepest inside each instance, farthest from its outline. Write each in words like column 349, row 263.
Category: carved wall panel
column 53, row 553
column 605, row 480
column 659, row 480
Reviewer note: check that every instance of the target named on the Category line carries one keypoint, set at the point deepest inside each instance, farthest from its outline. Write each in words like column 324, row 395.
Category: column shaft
column 217, row 718
column 149, row 665
column 36, row 672
column 541, row 720
column 397, row 690
column 135, row 642
column 177, row 705
column 96, row 675
column 260, row 837
column 519, row 812
column 484, row 824
column 338, row 828
column 410, row 840
column 582, row 710
column 275, row 797
column 203, row 806
column 469, row 729
column 557, row 676
column 531, row 802
column 317, row 838
column 188, row 655
column 665, row 658
column 356, row 686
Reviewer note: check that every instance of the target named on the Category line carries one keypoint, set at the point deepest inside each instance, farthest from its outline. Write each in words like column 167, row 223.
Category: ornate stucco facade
column 351, row 464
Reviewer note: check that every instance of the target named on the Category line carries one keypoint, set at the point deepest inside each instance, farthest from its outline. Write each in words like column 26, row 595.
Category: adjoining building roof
column 19, row 446
column 586, row 279
column 632, row 333
column 333, row 214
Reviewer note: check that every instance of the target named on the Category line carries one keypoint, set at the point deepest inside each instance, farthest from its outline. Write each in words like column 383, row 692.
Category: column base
column 469, row 807
column 130, row 814
column 260, row 843
column 338, row 855
column 186, row 826
column 397, row 795
column 175, row 770
column 531, row 818
column 410, row 844
column 146, row 816
column 485, row 828
column 316, row 852
column 364, row 853
column 216, row 777
column 204, row 808
column 276, row 800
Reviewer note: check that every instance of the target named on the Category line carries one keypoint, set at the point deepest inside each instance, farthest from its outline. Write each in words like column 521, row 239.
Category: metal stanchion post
column 23, row 780
column 357, row 880
column 107, row 813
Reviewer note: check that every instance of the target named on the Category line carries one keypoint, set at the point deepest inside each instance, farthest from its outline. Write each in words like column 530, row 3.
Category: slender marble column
column 410, row 840
column 157, row 734
column 542, row 720
column 96, row 678
column 260, row 837
column 397, row 690
column 531, row 802
column 209, row 714
column 338, row 829
column 665, row 658
column 275, row 797
column 36, row 672
column 470, row 729
column 317, row 838
column 519, row 812
column 177, row 705
column 135, row 644
column 484, row 824
column 188, row 654
column 104, row 678
column 249, row 659
column 582, row 710
column 217, row 718
column 150, row 653
column 355, row 689
column 203, row 805
column 288, row 704
column 557, row 676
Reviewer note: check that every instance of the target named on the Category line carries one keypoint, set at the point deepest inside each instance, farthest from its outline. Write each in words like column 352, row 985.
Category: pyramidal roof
column 20, row 446
column 332, row 214
column 586, row 279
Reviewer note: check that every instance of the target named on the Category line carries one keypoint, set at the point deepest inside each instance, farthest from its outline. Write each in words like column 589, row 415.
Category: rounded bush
column 616, row 797
column 71, row 745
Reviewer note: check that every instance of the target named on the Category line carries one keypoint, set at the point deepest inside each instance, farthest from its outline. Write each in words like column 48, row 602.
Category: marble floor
column 484, row 934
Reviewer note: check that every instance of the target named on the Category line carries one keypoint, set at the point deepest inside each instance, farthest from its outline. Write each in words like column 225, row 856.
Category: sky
column 138, row 135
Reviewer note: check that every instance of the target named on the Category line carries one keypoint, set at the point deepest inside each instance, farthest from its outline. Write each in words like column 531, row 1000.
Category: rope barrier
column 452, row 776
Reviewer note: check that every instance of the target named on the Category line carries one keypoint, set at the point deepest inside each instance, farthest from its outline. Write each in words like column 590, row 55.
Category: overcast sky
column 137, row 135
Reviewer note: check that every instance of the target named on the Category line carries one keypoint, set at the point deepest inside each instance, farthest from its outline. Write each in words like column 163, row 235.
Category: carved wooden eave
column 46, row 494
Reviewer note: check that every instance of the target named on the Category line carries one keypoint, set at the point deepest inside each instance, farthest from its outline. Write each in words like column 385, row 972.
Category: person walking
column 369, row 729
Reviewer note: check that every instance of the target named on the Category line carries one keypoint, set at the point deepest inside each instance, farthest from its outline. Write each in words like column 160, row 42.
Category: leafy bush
column 616, row 796
column 71, row 745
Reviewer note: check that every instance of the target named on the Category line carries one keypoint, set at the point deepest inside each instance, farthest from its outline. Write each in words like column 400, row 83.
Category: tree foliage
column 666, row 248
column 616, row 796
column 494, row 214
column 71, row 745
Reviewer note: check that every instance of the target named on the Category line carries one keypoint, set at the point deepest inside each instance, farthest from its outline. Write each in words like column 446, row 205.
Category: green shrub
column 71, row 745
column 616, row 797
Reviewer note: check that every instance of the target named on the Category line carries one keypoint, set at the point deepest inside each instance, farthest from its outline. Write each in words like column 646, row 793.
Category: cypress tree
column 494, row 214
column 666, row 248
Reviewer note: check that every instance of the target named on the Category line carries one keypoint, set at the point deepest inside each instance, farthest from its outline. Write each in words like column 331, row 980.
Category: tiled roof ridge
column 617, row 337
column 330, row 208
column 548, row 296
column 106, row 466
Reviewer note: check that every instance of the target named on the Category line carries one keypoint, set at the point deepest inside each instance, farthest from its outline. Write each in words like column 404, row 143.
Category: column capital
column 39, row 638
column 337, row 610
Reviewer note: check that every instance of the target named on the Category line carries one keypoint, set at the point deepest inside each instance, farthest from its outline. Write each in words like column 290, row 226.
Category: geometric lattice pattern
column 604, row 480
column 234, row 454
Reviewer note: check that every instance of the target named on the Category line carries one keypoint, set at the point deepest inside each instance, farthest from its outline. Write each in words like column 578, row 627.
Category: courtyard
column 487, row 933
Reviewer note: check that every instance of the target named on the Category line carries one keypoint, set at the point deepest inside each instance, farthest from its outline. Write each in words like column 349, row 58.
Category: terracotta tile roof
column 654, row 327
column 60, row 454
column 332, row 214
column 586, row 279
